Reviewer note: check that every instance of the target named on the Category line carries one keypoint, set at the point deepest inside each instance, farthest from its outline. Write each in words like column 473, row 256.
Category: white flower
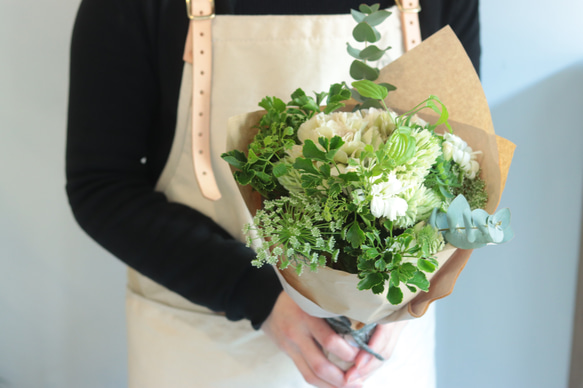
column 385, row 203
column 357, row 129
column 455, row 148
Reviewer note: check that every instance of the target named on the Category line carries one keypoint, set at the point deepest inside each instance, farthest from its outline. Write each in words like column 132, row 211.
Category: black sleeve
column 461, row 15
column 114, row 113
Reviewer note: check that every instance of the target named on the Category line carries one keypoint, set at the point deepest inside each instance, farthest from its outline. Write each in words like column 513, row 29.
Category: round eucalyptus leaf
column 372, row 53
column 365, row 33
column 360, row 70
column 376, row 18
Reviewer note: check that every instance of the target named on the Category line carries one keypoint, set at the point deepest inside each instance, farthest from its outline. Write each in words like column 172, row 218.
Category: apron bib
column 175, row 343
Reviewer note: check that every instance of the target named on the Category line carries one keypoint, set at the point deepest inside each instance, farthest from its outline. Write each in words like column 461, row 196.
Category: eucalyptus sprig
column 365, row 31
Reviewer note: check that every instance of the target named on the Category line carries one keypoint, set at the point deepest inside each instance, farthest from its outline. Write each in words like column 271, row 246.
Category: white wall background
column 508, row 322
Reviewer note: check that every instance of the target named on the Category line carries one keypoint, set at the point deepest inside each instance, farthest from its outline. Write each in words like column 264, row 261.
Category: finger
column 332, row 342
column 319, row 364
column 308, row 374
column 383, row 342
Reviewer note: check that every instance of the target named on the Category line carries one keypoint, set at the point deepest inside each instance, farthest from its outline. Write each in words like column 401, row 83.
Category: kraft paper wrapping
column 438, row 66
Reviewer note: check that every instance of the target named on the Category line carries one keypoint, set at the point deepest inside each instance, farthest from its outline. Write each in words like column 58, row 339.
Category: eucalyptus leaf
column 467, row 229
column 353, row 52
column 357, row 15
column 364, row 32
column 364, row 8
column 372, row 53
column 360, row 70
column 377, row 17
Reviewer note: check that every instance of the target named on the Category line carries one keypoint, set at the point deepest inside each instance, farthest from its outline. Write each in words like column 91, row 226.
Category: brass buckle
column 407, row 10
column 192, row 16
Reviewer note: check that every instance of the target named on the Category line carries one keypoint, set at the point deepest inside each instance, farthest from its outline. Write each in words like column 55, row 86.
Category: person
column 191, row 283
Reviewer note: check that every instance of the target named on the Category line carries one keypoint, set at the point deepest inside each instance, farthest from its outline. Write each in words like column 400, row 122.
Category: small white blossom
column 455, row 148
column 385, row 203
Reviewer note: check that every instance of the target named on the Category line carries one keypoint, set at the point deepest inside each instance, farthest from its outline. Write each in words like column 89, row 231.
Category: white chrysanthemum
column 420, row 201
column 458, row 150
column 385, row 202
column 427, row 150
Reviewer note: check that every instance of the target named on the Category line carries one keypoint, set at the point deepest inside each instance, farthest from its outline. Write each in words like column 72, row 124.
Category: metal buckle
column 192, row 16
column 407, row 10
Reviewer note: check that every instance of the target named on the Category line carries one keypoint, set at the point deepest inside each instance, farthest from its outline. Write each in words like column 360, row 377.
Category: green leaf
column 280, row 170
column 407, row 270
column 331, row 107
column 365, row 9
column 311, row 151
column 335, row 189
column 380, row 265
column 360, row 70
column 378, row 289
column 310, row 181
column 325, row 170
column 425, row 265
column 244, row 177
column 355, row 53
column 357, row 16
column 420, row 280
column 263, row 176
column 369, row 89
column 395, row 279
column 364, row 32
column 377, row 17
column 370, row 280
column 401, row 147
column 305, row 165
column 235, row 158
column 372, row 53
column 336, row 142
column 355, row 235
column 252, row 157
column 272, row 103
column 395, row 295
column 387, row 86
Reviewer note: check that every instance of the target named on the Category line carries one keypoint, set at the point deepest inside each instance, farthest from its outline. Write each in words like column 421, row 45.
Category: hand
column 383, row 342
column 302, row 337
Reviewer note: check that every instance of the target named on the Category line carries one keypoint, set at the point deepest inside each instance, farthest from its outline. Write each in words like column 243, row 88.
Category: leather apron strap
column 410, row 22
column 201, row 13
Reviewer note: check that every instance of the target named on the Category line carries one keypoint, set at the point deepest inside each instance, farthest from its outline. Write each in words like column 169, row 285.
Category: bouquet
column 362, row 208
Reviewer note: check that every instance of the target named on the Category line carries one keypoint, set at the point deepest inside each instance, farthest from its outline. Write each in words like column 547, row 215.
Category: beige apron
column 174, row 343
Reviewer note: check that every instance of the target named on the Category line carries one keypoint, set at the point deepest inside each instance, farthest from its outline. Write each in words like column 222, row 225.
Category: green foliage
column 277, row 132
column 367, row 18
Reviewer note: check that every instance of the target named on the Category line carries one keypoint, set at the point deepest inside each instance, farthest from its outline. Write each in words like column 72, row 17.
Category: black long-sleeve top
column 126, row 67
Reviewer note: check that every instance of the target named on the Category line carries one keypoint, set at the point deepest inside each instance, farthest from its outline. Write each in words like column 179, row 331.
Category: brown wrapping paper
column 438, row 66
